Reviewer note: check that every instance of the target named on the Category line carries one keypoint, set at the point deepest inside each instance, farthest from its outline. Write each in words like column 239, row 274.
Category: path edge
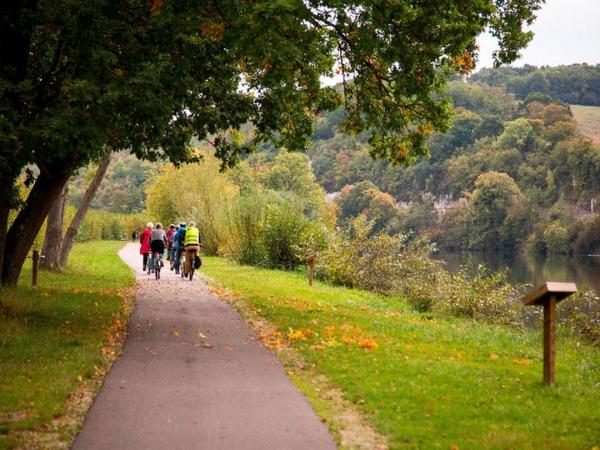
column 347, row 424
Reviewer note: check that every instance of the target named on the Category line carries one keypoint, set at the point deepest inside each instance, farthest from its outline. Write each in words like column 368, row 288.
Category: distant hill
column 576, row 83
column 588, row 121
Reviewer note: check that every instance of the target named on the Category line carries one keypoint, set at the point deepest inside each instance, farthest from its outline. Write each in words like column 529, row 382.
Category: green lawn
column 588, row 121
column 55, row 338
column 426, row 381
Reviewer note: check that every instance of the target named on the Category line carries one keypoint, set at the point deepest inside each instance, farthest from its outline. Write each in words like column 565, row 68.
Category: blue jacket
column 179, row 239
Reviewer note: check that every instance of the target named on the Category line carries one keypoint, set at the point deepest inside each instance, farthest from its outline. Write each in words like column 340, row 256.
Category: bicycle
column 157, row 264
column 181, row 264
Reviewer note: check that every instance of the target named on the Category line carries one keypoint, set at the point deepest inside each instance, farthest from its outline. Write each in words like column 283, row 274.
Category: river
column 533, row 269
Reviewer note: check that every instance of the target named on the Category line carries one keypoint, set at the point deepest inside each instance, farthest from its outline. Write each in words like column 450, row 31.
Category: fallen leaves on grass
column 524, row 362
column 367, row 344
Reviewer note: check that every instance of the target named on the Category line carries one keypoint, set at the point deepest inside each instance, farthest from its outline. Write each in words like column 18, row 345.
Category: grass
column 588, row 121
column 428, row 381
column 55, row 338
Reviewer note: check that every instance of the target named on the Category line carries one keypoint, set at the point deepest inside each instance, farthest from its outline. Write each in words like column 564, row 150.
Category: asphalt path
column 194, row 376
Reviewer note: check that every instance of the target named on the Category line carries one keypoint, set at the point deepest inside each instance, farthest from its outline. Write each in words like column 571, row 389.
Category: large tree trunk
column 86, row 201
column 22, row 233
column 54, row 233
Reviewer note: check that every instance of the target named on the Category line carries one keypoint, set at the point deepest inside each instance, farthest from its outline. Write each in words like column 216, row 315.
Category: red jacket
column 145, row 241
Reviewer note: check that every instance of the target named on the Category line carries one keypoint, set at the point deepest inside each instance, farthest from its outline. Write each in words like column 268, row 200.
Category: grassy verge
column 428, row 381
column 58, row 340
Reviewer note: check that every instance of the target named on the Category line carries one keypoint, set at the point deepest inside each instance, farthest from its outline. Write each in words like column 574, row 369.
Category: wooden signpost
column 548, row 295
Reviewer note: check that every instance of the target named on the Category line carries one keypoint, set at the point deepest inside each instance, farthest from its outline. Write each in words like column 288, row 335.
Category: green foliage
column 194, row 192
column 256, row 214
column 284, row 228
column 103, row 225
column 560, row 83
column 246, row 222
column 556, row 238
column 123, row 189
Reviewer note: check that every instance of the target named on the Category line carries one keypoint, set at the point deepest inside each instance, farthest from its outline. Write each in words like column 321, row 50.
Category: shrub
column 556, row 238
column 588, row 240
column 245, row 223
column 283, row 229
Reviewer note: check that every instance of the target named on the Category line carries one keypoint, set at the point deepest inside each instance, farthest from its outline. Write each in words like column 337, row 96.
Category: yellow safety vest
column 192, row 236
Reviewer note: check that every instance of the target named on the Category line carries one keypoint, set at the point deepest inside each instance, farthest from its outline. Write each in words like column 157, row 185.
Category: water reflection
column 533, row 269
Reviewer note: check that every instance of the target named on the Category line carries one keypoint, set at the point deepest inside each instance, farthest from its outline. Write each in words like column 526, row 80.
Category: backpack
column 197, row 262
column 181, row 238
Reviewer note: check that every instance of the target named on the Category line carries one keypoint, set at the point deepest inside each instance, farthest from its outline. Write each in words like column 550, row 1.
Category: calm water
column 583, row 270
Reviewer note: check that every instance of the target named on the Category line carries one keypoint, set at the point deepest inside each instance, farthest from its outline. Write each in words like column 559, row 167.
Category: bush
column 282, row 234
column 245, row 224
column 588, row 240
column 556, row 238
column 397, row 265
column 381, row 263
column 581, row 314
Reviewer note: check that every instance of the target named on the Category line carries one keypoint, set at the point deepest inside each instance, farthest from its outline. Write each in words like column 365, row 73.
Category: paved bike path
column 171, row 390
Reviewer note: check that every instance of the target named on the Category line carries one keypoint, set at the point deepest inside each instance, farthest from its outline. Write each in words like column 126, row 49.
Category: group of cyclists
column 182, row 244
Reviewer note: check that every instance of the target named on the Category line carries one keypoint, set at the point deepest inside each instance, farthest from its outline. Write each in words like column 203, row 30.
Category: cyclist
column 192, row 246
column 170, row 233
column 145, row 243
column 158, row 241
column 179, row 245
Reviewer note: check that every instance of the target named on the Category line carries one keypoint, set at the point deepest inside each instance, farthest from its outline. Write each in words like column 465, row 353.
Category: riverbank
column 425, row 380
column 56, row 344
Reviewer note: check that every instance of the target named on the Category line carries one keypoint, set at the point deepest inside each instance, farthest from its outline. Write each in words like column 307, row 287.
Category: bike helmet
column 172, row 225
column 182, row 224
column 150, row 225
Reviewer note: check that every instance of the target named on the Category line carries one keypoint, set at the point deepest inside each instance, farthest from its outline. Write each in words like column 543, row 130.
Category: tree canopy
column 78, row 78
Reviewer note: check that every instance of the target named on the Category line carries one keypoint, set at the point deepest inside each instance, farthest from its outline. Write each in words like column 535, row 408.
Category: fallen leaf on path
column 201, row 336
column 207, row 345
column 175, row 333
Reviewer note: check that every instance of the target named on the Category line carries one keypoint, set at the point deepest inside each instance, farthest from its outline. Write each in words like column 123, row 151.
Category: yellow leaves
column 454, row 446
column 119, row 72
column 463, row 63
column 493, row 356
column 524, row 362
column 213, row 30
column 272, row 340
column 367, row 344
column 296, row 335
column 300, row 334
column 201, row 336
column 175, row 333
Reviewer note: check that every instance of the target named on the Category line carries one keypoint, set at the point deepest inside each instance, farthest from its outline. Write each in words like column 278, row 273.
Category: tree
column 491, row 202
column 148, row 75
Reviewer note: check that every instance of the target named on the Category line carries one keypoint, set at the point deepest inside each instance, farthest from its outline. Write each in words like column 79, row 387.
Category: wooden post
column 34, row 270
column 548, row 295
column 550, row 341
